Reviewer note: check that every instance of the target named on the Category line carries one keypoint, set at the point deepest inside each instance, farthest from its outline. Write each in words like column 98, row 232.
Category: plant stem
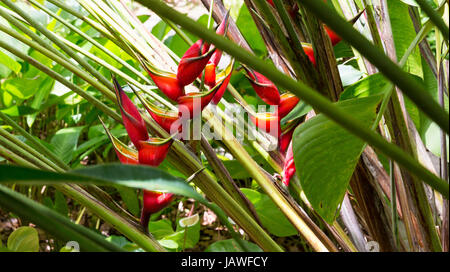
column 307, row 94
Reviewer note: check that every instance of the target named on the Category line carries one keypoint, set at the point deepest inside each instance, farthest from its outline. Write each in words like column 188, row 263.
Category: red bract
column 210, row 74
column 153, row 151
column 132, row 119
column 125, row 154
column 289, row 166
column 193, row 62
column 309, row 51
column 285, row 139
column 165, row 81
column 153, row 202
column 269, row 122
column 191, row 102
column 224, row 79
column 164, row 118
column 287, row 102
column 197, row 57
column 263, row 87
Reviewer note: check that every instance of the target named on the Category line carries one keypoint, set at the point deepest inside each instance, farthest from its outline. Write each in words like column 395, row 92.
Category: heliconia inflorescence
column 150, row 151
column 196, row 58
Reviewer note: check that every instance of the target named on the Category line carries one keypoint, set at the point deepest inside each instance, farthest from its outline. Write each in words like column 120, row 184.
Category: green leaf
column 270, row 215
column 371, row 85
column 10, row 62
column 130, row 198
column 65, row 141
column 326, row 155
column 51, row 221
column 191, row 234
column 161, row 228
column 230, row 246
column 24, row 239
column 349, row 74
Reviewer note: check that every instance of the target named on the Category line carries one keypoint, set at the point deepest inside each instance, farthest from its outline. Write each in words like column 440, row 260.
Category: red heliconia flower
column 289, row 166
column 267, row 121
column 153, row 202
column 210, row 74
column 165, row 81
column 271, row 3
column 288, row 102
column 197, row 57
column 188, row 102
column 224, row 79
column 164, row 118
column 125, row 154
column 335, row 39
column 153, row 151
column 132, row 119
column 309, row 51
column 285, row 139
column 263, row 87
column 193, row 62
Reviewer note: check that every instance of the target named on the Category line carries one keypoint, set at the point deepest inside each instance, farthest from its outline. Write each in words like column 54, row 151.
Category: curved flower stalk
column 165, row 81
column 196, row 58
column 150, row 151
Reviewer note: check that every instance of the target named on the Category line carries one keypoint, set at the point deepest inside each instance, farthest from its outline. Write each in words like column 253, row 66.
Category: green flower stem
column 35, row 143
column 22, row 145
column 7, row 154
column 24, row 153
column 403, row 80
column 51, row 36
column 92, row 41
column 435, row 18
column 86, row 19
column 53, row 55
column 62, row 80
column 309, row 95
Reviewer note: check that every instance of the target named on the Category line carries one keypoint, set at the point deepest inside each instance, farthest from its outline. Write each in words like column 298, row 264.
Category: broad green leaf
column 191, row 234
column 129, row 197
column 65, row 141
column 404, row 33
column 22, row 88
column 231, row 246
column 51, row 221
column 326, row 155
column 270, row 215
column 18, row 110
column 371, row 85
column 161, row 228
column 349, row 74
column 9, row 62
column 300, row 110
column 61, row 204
column 250, row 32
column 24, row 239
